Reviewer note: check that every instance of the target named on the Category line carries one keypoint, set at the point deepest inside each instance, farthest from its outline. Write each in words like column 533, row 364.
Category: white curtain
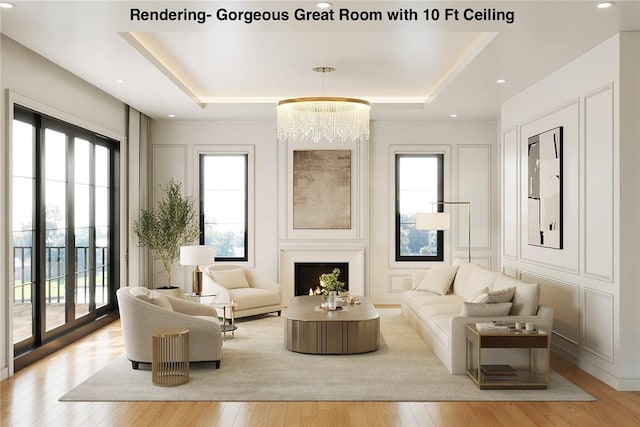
column 138, row 271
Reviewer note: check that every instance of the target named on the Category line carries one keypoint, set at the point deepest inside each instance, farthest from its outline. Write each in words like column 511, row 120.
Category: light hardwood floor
column 30, row 398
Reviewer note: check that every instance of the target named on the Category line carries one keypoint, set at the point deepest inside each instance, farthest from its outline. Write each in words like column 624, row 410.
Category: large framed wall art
column 322, row 189
column 545, row 189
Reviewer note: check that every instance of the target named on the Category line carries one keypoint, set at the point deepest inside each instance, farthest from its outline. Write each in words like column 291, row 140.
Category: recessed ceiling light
column 501, row 81
column 6, row 5
column 453, row 116
column 605, row 4
column 120, row 81
column 324, row 5
column 171, row 116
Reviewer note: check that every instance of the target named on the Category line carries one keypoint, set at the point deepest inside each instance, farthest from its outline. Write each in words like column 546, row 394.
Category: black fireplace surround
column 307, row 275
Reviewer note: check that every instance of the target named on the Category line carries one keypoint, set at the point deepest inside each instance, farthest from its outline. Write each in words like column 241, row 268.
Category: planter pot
column 173, row 291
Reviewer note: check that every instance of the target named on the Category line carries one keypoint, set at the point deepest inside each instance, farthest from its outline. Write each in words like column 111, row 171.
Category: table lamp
column 197, row 255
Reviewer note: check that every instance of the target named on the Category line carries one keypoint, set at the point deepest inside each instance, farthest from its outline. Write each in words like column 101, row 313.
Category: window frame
column 42, row 337
column 439, row 256
column 248, row 161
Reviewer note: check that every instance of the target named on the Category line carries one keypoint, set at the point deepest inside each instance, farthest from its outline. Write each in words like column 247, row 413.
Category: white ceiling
column 234, row 70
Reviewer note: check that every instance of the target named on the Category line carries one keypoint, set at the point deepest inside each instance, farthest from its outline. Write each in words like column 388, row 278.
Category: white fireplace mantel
column 347, row 252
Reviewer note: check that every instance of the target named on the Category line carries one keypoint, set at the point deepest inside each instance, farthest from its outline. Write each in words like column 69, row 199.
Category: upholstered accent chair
column 143, row 310
column 253, row 293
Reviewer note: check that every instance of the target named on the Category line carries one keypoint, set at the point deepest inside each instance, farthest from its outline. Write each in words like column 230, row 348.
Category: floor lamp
column 441, row 220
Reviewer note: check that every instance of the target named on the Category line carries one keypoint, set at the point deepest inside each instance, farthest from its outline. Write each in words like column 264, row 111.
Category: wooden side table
column 170, row 357
column 486, row 376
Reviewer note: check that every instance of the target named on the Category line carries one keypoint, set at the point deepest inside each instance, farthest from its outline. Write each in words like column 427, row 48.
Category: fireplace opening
column 307, row 275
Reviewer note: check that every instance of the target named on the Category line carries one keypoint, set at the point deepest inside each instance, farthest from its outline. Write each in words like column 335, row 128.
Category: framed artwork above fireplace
column 322, row 189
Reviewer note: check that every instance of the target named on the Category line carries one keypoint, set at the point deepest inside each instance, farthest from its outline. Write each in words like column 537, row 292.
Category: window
column 223, row 205
column 64, row 228
column 419, row 183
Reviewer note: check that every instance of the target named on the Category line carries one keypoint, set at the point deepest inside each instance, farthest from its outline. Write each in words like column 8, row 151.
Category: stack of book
column 499, row 373
column 493, row 325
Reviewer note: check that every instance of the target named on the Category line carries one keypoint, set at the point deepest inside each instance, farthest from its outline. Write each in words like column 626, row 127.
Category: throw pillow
column 486, row 310
column 231, row 279
column 526, row 298
column 138, row 291
column 156, row 298
column 481, row 296
column 502, row 295
column 462, row 276
column 416, row 278
column 438, row 279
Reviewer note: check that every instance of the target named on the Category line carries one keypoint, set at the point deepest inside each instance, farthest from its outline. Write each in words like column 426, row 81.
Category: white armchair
column 142, row 311
column 252, row 293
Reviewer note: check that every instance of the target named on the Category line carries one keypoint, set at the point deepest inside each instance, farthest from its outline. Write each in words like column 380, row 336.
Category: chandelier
column 323, row 118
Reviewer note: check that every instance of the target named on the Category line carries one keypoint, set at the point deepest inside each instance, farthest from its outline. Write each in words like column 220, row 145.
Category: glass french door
column 64, row 227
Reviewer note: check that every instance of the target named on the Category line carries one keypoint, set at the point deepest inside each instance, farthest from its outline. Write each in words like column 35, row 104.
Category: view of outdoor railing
column 55, row 274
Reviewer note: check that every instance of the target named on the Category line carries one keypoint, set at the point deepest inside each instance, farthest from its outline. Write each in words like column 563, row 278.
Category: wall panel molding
column 510, row 197
column 599, row 177
column 567, row 259
column 473, row 183
column 564, row 298
column 510, row 271
column 598, row 324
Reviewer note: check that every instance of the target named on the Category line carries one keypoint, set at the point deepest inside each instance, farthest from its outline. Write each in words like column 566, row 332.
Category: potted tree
column 173, row 223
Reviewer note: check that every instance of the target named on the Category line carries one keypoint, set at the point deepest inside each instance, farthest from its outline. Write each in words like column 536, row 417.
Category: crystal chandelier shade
column 318, row 119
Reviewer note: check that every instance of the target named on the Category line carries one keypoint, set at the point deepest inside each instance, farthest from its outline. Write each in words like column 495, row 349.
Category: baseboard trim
column 4, row 374
column 619, row 384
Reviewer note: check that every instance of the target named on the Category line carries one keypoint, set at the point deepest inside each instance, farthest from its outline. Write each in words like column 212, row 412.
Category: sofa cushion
column 502, row 295
column 462, row 275
column 432, row 310
column 156, row 298
column 253, row 297
column 526, row 297
column 138, row 291
column 479, row 278
column 438, row 279
column 481, row 296
column 231, row 279
column 486, row 310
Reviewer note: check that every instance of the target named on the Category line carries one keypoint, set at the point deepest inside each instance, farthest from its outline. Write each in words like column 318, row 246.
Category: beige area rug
column 257, row 367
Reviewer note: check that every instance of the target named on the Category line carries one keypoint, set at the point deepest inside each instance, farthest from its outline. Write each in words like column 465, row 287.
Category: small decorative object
column 329, row 282
column 331, row 302
column 529, row 326
column 518, row 324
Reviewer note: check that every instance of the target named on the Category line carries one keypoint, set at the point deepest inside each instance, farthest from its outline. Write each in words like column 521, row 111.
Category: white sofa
column 253, row 294
column 439, row 303
column 142, row 311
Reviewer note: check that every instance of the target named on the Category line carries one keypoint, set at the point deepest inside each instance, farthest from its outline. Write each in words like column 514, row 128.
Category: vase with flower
column 330, row 286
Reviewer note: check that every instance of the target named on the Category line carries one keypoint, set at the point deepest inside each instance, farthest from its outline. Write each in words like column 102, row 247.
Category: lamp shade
column 433, row 221
column 197, row 255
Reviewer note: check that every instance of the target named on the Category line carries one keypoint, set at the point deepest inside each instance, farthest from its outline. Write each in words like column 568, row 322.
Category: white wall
column 470, row 165
column 38, row 83
column 588, row 279
column 174, row 153
column 471, row 162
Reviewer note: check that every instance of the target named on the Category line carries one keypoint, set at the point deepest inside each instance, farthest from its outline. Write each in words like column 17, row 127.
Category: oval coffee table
column 309, row 329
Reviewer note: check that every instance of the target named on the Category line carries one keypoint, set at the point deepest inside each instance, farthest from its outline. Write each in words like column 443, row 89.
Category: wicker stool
column 170, row 363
